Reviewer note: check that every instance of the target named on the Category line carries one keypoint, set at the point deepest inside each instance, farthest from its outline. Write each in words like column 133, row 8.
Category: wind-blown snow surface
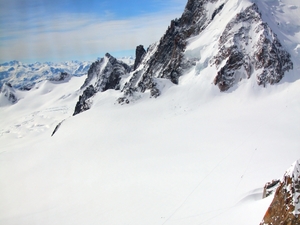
column 192, row 156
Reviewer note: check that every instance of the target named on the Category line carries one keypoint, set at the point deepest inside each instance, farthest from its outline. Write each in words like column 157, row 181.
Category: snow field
column 174, row 160
column 192, row 156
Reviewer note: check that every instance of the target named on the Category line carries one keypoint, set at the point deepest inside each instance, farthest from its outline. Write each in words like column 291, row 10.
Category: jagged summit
column 249, row 47
column 106, row 73
column 240, row 45
column 227, row 41
column 166, row 58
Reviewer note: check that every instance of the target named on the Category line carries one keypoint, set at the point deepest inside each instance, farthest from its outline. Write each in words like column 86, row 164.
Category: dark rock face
column 248, row 44
column 217, row 11
column 106, row 73
column 9, row 92
column 166, row 59
column 139, row 54
column 103, row 74
column 285, row 207
column 270, row 187
column 56, row 128
column 62, row 77
column 84, row 102
column 27, row 87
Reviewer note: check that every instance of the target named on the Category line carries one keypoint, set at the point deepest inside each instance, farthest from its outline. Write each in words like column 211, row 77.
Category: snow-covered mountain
column 24, row 76
column 212, row 115
column 229, row 40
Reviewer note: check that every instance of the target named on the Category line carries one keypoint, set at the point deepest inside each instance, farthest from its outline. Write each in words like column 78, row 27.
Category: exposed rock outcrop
column 139, row 54
column 9, row 92
column 166, row 59
column 56, row 128
column 106, row 73
column 103, row 74
column 270, row 187
column 84, row 103
column 60, row 78
column 248, row 46
column 285, row 207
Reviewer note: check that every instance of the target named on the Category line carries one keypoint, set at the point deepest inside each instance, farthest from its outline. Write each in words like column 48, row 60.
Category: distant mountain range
column 23, row 76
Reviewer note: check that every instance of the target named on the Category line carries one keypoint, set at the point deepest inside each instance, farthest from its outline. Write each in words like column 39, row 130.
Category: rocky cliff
column 246, row 47
column 285, row 207
column 249, row 47
column 165, row 59
column 103, row 74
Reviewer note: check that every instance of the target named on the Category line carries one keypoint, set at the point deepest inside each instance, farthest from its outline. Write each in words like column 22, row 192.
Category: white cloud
column 78, row 36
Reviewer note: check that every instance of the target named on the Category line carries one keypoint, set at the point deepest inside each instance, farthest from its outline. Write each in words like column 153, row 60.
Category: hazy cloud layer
column 39, row 35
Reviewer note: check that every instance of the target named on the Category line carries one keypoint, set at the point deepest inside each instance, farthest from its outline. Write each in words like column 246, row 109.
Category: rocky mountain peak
column 249, row 47
column 245, row 47
column 106, row 73
column 62, row 77
column 139, row 54
column 285, row 207
column 166, row 59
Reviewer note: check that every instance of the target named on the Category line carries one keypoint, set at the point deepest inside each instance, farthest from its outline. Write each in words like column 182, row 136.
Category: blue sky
column 61, row 30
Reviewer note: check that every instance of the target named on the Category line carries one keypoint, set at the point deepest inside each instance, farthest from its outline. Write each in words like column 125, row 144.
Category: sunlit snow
column 192, row 156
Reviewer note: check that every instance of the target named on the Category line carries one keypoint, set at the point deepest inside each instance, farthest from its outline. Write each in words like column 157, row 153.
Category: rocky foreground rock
column 285, row 207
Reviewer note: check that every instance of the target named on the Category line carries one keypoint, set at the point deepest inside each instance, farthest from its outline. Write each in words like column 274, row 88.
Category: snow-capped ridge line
column 24, row 76
column 244, row 48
